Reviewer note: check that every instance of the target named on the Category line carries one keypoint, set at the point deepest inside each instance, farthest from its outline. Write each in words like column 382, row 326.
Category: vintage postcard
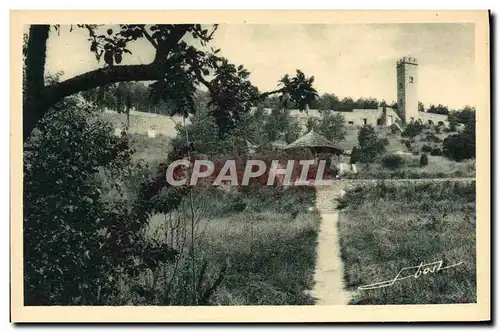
column 250, row 166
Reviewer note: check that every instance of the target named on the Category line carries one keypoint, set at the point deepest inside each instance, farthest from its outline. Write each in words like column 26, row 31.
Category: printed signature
column 422, row 269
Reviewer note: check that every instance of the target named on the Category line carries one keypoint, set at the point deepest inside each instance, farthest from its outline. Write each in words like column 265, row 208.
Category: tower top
column 407, row 59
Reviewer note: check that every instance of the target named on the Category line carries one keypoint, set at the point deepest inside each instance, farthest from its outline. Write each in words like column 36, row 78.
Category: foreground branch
column 101, row 77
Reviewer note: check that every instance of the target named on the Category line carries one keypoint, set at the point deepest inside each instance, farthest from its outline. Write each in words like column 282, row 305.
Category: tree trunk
column 33, row 105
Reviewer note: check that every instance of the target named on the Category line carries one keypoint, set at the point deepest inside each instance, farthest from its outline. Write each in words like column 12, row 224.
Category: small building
column 314, row 142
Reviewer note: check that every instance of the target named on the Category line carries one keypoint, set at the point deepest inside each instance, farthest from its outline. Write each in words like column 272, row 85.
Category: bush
column 63, row 211
column 460, row 146
column 426, row 148
column 433, row 138
column 355, row 155
column 424, row 160
column 413, row 129
column 78, row 243
column 436, row 152
column 370, row 145
column 238, row 204
column 393, row 161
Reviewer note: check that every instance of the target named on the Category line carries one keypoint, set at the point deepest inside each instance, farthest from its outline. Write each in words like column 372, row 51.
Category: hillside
column 142, row 123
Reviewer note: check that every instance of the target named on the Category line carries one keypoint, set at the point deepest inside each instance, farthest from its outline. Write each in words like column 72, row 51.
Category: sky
column 349, row 60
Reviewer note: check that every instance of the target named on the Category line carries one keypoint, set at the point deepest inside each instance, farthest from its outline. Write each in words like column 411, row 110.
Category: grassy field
column 141, row 122
column 266, row 236
column 386, row 228
column 151, row 150
column 438, row 167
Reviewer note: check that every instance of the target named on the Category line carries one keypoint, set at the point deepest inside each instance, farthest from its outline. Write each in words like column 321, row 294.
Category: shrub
column 355, row 155
column 238, row 204
column 78, row 243
column 436, row 152
column 424, row 160
column 370, row 145
column 433, row 138
column 63, row 211
column 413, row 129
column 426, row 148
column 393, row 161
column 460, row 146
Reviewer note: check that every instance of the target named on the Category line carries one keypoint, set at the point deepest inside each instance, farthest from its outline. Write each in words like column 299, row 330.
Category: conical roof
column 312, row 140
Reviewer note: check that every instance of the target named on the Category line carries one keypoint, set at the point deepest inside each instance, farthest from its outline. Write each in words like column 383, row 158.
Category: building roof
column 312, row 140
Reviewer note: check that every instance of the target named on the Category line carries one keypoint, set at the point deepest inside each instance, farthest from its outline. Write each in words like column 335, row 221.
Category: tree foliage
column 370, row 145
column 392, row 161
column 86, row 208
column 465, row 116
column 178, row 71
column 280, row 125
column 330, row 125
column 421, row 107
column 298, row 89
column 462, row 145
column 439, row 109
column 413, row 129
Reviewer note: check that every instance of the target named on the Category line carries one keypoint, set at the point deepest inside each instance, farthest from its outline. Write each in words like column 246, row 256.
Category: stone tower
column 407, row 80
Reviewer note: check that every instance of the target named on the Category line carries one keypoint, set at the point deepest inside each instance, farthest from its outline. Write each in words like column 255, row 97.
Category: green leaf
column 108, row 58
column 118, row 58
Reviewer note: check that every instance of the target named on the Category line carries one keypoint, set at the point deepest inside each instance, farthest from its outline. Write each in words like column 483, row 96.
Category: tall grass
column 386, row 228
column 266, row 236
column 437, row 167
column 149, row 149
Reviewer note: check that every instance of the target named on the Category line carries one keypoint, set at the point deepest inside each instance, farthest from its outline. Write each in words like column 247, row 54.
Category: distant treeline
column 136, row 95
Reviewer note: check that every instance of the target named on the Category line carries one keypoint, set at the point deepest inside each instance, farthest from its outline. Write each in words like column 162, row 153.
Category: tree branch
column 148, row 37
column 267, row 94
column 199, row 76
column 101, row 77
column 176, row 34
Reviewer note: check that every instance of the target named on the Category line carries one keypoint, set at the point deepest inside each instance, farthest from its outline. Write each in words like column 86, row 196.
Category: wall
column 145, row 123
column 355, row 118
column 435, row 118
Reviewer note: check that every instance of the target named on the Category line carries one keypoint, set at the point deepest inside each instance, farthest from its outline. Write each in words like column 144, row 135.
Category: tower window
column 400, row 85
column 411, row 79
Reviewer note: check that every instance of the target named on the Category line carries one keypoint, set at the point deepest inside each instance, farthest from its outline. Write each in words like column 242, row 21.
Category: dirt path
column 329, row 274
